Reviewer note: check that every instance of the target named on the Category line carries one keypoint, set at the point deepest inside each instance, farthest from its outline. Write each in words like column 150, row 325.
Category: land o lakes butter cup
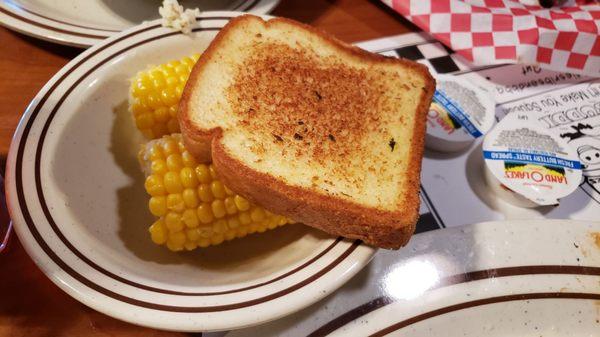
column 459, row 114
column 527, row 165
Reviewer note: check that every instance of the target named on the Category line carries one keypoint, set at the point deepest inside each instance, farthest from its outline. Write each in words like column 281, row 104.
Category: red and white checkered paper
column 562, row 38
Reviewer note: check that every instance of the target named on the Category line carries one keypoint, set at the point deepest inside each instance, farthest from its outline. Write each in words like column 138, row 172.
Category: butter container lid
column 459, row 113
column 531, row 161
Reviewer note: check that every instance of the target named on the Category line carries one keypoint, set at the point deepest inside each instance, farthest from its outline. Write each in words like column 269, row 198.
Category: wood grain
column 31, row 305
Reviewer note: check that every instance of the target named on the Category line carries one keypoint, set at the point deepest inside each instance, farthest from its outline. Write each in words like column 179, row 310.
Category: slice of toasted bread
column 311, row 128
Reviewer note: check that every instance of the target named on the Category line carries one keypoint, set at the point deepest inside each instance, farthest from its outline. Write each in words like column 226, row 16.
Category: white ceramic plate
column 76, row 195
column 525, row 278
column 85, row 23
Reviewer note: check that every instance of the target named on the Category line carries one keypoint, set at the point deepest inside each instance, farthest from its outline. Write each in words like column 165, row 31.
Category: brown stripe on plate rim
column 382, row 301
column 53, row 256
column 26, row 10
column 481, row 302
column 44, row 26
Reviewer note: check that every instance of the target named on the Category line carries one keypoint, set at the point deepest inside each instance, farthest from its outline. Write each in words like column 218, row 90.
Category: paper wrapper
column 484, row 32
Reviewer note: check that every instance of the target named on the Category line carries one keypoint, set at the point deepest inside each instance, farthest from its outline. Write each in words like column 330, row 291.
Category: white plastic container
column 528, row 165
column 459, row 113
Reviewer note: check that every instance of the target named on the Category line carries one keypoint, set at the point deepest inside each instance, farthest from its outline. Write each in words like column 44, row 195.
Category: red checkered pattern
column 501, row 31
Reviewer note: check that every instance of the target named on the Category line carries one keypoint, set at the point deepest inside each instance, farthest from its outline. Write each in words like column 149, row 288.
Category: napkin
column 563, row 38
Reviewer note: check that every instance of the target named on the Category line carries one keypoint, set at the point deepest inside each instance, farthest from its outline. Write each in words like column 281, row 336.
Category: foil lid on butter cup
column 459, row 114
column 528, row 165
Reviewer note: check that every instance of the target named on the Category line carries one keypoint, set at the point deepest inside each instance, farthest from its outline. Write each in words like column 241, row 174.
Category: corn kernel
column 181, row 69
column 172, row 80
column 218, row 208
column 233, row 222
column 173, row 111
column 138, row 89
column 205, row 193
column 230, row 235
column 205, row 214
column 168, row 96
column 143, row 101
column 189, row 198
column 241, row 232
column 159, row 81
column 192, row 234
column 173, row 222
column 156, row 152
column 154, row 185
column 158, row 232
column 257, row 214
column 205, row 232
column 230, row 206
column 175, row 202
column 220, row 226
column 144, row 121
column 245, row 218
column 155, row 74
column 159, row 166
column 172, row 182
column 174, row 162
column 241, row 203
column 137, row 109
column 203, row 174
column 158, row 205
column 173, row 64
column 272, row 223
column 169, row 146
column 153, row 100
column 145, row 79
column 181, row 147
column 217, row 189
column 161, row 115
column 217, row 239
column 188, row 177
column 176, row 241
column 173, row 247
column 203, row 242
column 213, row 173
column 188, row 160
column 190, row 218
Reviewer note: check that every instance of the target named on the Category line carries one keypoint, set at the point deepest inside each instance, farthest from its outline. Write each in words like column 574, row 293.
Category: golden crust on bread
column 303, row 105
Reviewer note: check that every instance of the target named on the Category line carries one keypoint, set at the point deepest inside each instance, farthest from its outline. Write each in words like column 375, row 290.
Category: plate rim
column 468, row 276
column 23, row 20
column 361, row 254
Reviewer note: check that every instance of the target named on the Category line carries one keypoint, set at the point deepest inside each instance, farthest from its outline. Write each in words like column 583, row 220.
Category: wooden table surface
column 30, row 304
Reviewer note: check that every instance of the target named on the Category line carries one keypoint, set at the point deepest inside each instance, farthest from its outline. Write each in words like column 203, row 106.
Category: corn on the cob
column 155, row 94
column 193, row 207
